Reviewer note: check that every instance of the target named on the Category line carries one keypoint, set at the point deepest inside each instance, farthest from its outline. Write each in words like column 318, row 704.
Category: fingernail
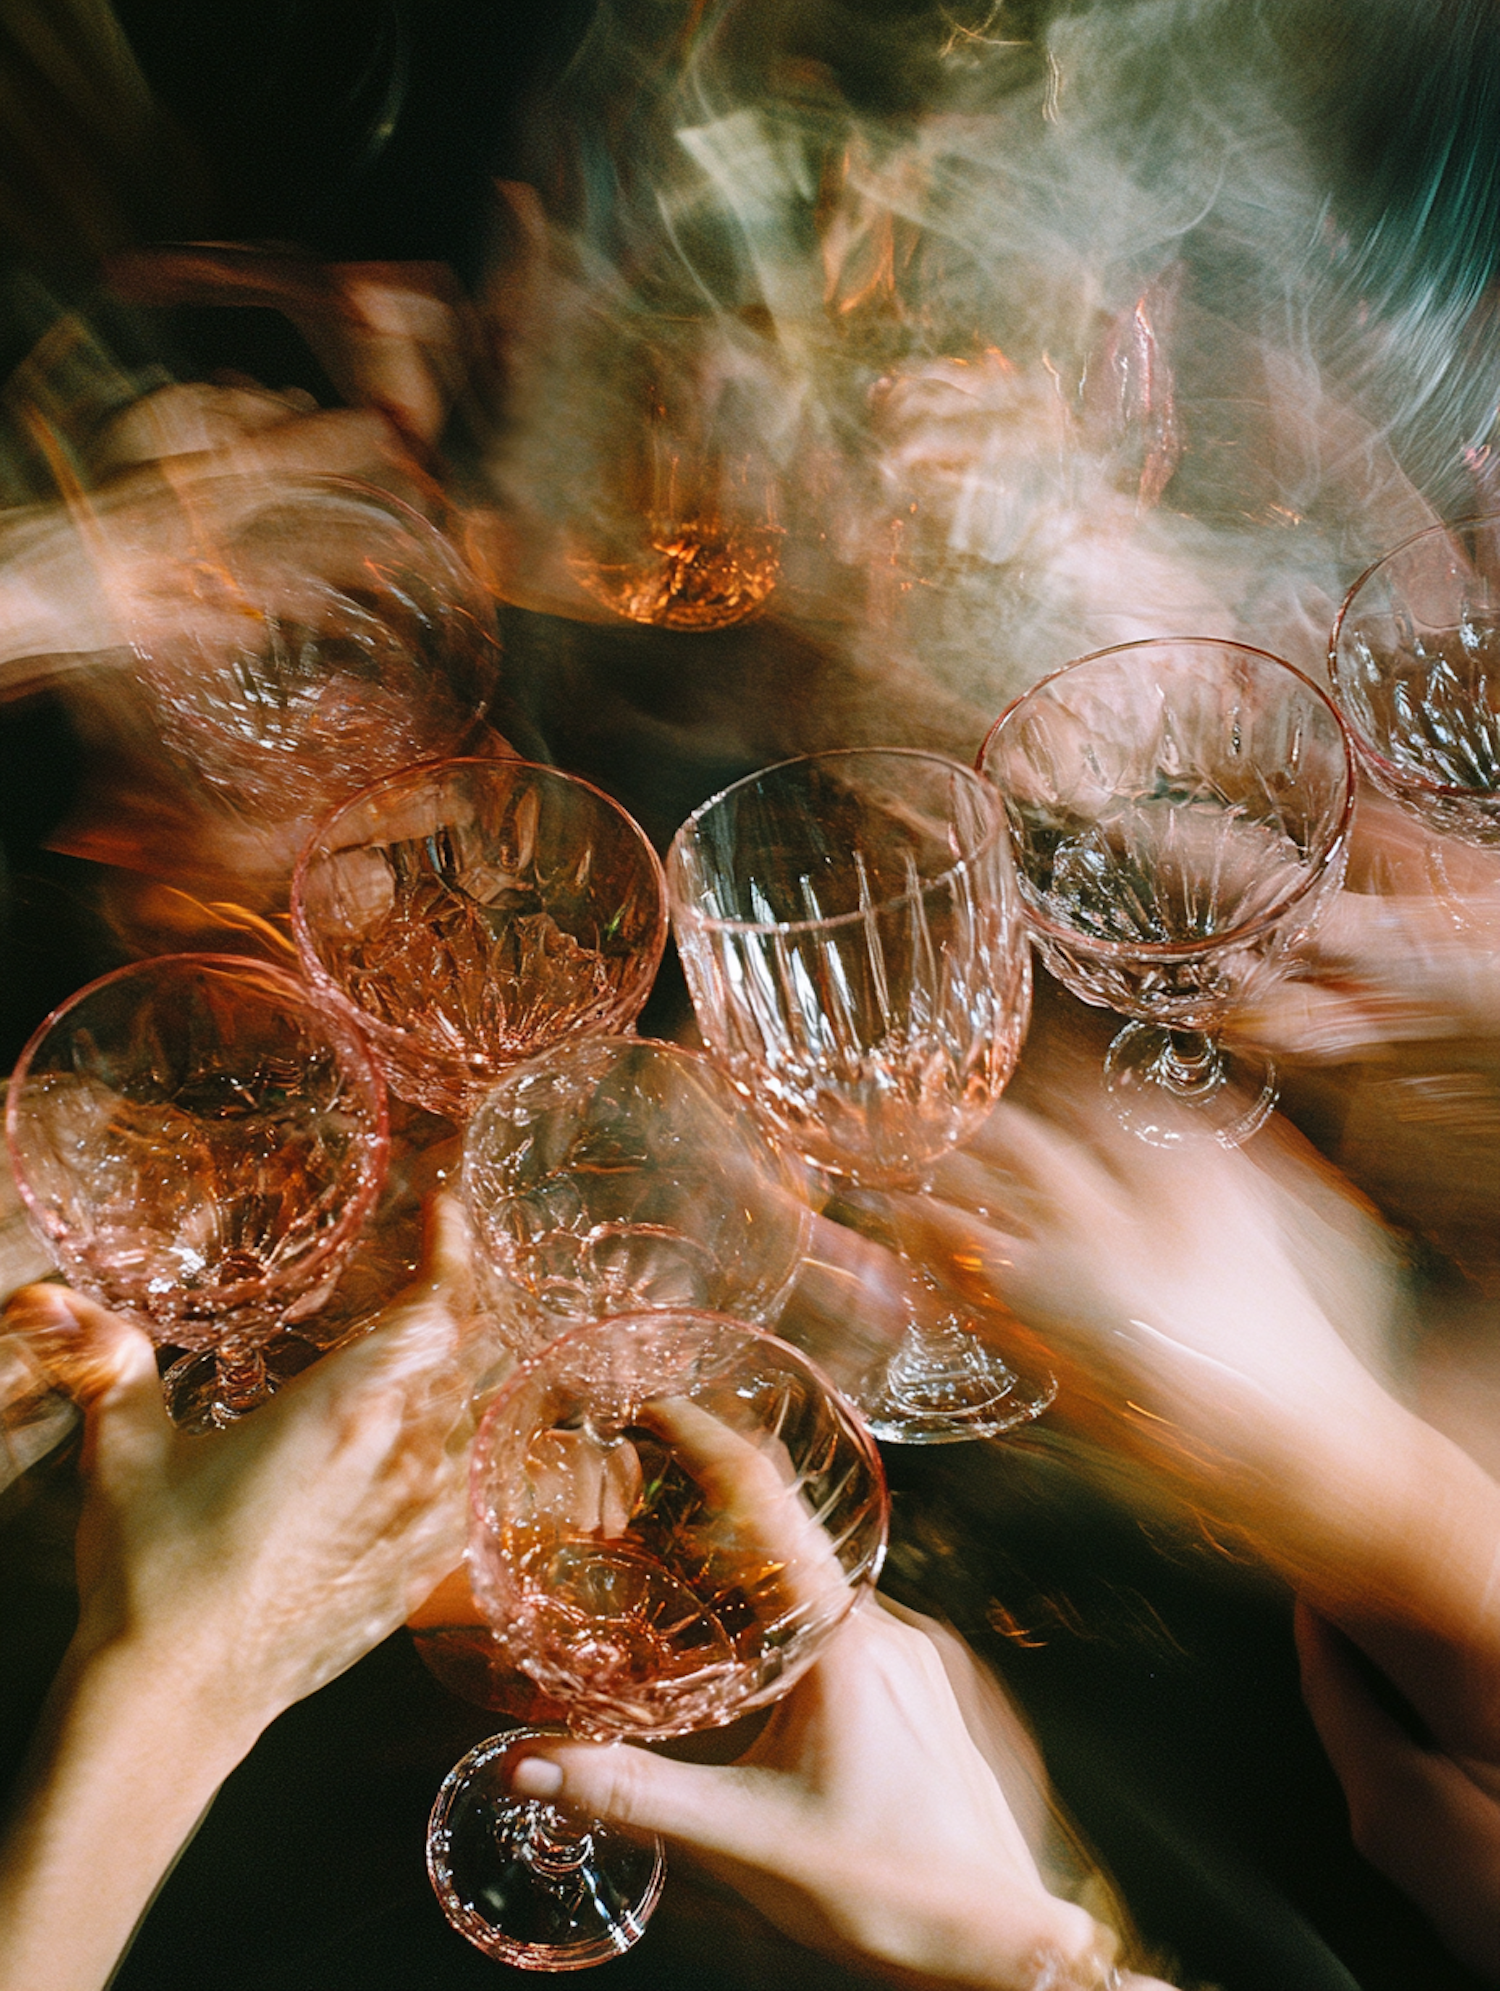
column 535, row 1776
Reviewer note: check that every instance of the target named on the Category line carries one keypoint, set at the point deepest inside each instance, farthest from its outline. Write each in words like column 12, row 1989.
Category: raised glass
column 1415, row 661
column 615, row 1175
column 1180, row 813
column 853, row 941
column 473, row 912
column 672, row 1513
column 198, row 1141
column 310, row 637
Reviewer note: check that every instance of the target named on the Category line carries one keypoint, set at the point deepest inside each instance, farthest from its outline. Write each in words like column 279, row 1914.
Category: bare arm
column 221, row 1579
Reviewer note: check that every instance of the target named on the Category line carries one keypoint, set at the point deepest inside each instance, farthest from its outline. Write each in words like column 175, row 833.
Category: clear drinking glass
column 853, row 941
column 671, row 1515
column 615, row 1175
column 308, row 638
column 1180, row 812
column 676, row 522
column 198, row 1141
column 473, row 912
column 1415, row 661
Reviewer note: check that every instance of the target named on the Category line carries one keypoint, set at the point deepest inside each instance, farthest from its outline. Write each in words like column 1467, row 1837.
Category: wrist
column 161, row 1691
column 121, row 1772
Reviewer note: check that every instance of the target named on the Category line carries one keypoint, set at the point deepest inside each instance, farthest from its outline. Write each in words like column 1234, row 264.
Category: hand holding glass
column 198, row 1142
column 672, row 1514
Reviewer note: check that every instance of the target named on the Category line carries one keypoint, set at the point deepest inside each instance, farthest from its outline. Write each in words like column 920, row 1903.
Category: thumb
column 82, row 1348
column 709, row 1809
column 106, row 1365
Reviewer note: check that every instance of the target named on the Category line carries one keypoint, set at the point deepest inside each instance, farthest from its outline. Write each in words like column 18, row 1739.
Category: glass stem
column 936, row 1357
column 239, row 1379
column 550, row 1848
column 1190, row 1064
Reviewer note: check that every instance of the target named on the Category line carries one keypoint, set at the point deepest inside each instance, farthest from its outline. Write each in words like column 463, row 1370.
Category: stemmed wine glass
column 853, row 941
column 615, row 1175
column 474, row 911
column 671, row 1515
column 1180, row 812
column 295, row 641
column 1414, row 657
column 198, row 1142
column 609, row 1175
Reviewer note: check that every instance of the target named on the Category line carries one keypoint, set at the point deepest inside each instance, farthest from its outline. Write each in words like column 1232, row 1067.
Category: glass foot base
column 528, row 1883
column 945, row 1385
column 1175, row 1088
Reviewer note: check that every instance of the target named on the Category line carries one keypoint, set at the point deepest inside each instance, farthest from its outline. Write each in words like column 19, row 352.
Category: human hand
column 1199, row 1305
column 1410, row 952
column 1204, row 1309
column 254, row 1564
column 1429, row 1820
column 393, row 336
column 68, row 577
column 865, row 1820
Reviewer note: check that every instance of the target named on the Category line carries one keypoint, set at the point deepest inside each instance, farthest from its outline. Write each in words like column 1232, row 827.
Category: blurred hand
column 70, row 575
column 1410, row 952
column 1428, row 1820
column 258, row 1562
column 865, row 1820
column 392, row 336
column 1188, row 1296
column 220, row 1579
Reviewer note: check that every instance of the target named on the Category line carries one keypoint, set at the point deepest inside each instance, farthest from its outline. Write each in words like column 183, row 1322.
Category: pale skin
column 223, row 1579
column 392, row 336
column 1189, row 1300
column 865, row 1821
column 220, row 1580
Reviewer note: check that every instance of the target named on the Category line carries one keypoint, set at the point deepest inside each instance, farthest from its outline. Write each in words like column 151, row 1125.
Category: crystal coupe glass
column 853, row 941
column 1180, row 811
column 473, row 912
column 198, row 1142
column 672, row 1513
column 615, row 1175
column 1415, row 662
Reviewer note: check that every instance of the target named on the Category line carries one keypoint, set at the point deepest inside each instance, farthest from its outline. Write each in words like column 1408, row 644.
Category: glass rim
column 1168, row 950
column 343, row 1023
column 995, row 837
column 1399, row 772
column 284, row 494
column 618, row 1040
column 378, row 1028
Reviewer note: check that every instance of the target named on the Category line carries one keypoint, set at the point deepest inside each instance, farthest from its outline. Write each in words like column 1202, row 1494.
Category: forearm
column 1418, row 1584
column 125, row 1764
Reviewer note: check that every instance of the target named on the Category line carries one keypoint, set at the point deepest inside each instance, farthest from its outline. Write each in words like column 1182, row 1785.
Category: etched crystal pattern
column 1177, row 823
column 194, row 1149
column 672, row 1514
column 1431, row 711
column 475, row 912
column 869, row 991
column 331, row 638
column 613, row 1176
